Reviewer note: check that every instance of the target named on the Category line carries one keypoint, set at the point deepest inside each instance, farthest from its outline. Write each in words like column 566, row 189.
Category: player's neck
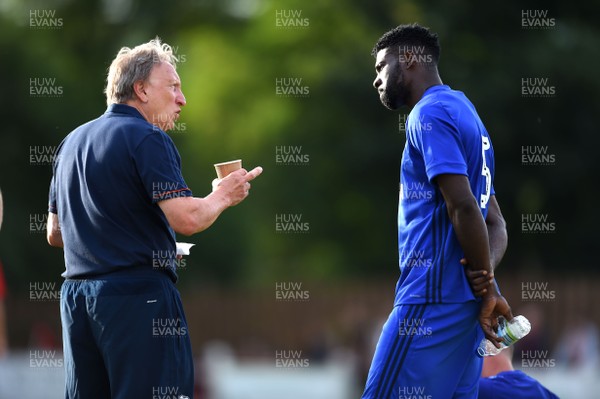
column 429, row 80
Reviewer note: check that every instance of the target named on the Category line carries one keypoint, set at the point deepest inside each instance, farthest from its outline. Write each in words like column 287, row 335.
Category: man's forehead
column 164, row 70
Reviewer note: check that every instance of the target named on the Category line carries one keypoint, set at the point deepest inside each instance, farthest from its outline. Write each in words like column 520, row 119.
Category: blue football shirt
column 444, row 135
column 512, row 385
column 107, row 178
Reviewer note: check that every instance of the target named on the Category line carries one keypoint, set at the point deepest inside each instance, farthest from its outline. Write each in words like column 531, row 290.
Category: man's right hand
column 190, row 215
column 236, row 185
column 493, row 305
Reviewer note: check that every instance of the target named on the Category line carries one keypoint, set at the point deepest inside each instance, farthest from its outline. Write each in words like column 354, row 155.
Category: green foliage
column 233, row 53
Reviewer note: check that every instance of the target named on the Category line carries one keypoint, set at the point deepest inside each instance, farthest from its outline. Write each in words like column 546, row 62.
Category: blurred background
column 286, row 294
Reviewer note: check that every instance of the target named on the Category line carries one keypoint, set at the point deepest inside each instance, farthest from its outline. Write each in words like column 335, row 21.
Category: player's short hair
column 410, row 35
column 133, row 65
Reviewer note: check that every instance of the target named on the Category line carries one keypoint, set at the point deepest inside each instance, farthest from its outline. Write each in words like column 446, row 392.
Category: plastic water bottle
column 510, row 332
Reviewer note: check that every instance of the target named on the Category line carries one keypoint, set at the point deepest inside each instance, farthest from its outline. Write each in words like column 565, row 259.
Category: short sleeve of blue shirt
column 438, row 140
column 159, row 166
column 52, row 206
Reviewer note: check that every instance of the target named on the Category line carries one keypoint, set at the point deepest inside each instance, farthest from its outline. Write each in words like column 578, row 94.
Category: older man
column 117, row 197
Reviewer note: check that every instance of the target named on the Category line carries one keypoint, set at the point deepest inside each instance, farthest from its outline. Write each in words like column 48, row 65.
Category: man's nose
column 377, row 83
column 181, row 99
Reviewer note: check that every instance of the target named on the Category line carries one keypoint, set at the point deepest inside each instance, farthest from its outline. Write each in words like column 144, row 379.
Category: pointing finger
column 254, row 173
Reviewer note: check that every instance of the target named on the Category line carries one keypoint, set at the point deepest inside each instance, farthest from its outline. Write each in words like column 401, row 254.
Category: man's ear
column 409, row 58
column 139, row 88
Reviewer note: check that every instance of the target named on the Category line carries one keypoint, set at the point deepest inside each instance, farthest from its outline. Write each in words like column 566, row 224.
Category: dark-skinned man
column 447, row 212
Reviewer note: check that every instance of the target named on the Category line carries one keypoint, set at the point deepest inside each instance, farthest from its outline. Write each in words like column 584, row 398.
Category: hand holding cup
column 234, row 180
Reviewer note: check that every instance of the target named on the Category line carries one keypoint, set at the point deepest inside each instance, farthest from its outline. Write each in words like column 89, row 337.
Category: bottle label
column 508, row 337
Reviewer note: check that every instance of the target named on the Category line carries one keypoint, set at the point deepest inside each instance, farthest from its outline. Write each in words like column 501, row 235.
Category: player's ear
column 139, row 88
column 409, row 58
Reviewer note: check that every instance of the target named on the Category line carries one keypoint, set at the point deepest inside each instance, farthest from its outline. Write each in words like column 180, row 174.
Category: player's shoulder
column 513, row 384
column 435, row 100
column 447, row 104
column 445, row 98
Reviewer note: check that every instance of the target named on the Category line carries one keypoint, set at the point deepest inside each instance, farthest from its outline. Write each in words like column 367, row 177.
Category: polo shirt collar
column 124, row 109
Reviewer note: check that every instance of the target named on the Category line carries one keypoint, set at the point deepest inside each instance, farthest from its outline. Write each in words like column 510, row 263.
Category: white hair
column 133, row 65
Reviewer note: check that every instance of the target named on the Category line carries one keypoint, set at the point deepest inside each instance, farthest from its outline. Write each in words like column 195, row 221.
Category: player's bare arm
column 497, row 233
column 498, row 238
column 53, row 234
column 472, row 233
column 190, row 215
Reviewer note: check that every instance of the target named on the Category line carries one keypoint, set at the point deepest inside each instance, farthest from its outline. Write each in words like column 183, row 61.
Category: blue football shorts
column 427, row 351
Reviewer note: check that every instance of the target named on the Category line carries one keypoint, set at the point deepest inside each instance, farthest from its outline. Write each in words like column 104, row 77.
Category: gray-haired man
column 117, row 197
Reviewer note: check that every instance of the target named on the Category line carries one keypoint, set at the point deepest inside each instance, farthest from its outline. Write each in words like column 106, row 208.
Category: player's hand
column 479, row 280
column 236, row 185
column 493, row 305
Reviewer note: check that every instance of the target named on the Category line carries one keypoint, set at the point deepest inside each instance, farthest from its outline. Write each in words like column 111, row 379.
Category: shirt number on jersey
column 485, row 171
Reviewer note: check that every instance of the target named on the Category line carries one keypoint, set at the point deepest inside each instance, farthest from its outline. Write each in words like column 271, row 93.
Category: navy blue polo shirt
column 108, row 177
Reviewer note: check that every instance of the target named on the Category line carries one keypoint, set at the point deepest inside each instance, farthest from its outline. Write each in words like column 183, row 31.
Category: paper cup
column 225, row 168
